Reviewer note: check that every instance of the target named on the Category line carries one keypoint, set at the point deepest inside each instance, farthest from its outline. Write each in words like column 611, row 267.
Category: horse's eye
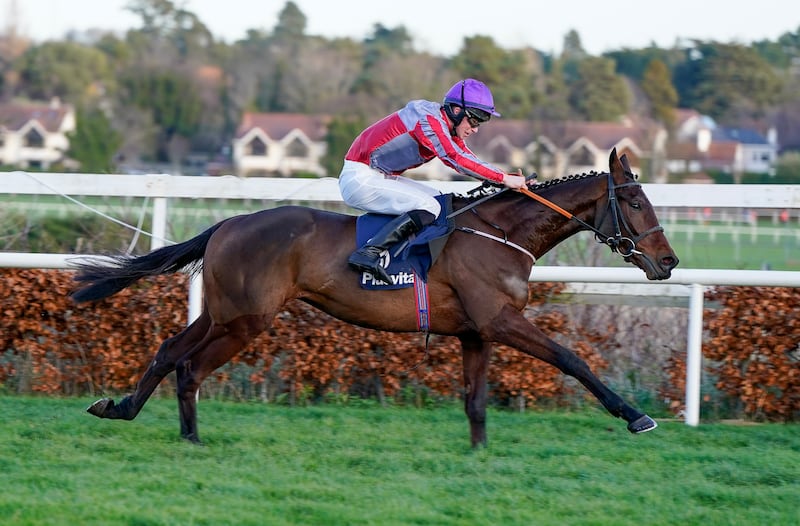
column 636, row 205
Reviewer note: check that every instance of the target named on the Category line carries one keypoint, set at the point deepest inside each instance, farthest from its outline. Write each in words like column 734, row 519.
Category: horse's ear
column 613, row 162
column 625, row 163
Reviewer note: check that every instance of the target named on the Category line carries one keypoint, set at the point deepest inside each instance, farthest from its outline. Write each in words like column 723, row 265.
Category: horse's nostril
column 669, row 261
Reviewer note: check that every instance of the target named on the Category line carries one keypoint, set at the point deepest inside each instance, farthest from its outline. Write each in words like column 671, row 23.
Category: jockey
column 371, row 177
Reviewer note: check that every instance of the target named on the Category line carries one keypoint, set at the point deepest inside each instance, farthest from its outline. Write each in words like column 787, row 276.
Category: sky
column 440, row 27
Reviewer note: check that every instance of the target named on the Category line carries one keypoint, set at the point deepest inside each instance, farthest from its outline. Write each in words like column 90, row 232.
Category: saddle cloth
column 406, row 261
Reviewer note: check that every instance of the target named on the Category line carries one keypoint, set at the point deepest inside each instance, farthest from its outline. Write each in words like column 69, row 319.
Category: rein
column 618, row 241
column 622, row 245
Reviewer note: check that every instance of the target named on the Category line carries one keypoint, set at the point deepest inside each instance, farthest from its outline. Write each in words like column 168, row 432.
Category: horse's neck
column 544, row 230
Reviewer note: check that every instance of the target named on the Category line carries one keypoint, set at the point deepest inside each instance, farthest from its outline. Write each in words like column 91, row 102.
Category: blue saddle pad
column 407, row 260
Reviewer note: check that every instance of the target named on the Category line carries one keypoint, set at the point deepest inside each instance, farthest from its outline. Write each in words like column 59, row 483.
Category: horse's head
column 630, row 225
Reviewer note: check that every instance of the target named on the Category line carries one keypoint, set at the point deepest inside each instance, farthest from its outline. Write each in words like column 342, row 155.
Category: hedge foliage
column 51, row 345
column 751, row 351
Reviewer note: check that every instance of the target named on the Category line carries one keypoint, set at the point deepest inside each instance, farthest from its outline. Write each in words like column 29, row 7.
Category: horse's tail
column 107, row 276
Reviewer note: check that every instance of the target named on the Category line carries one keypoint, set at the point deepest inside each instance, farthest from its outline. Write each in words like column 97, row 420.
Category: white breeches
column 370, row 190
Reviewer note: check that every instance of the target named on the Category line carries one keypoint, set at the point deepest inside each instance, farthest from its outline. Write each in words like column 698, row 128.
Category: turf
column 267, row 464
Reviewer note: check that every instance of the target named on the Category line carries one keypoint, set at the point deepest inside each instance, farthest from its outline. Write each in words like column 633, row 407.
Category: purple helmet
column 471, row 93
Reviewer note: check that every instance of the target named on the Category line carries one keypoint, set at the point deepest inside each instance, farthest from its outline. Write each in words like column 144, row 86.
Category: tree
column 662, row 95
column 401, row 77
column 633, row 63
column 384, row 45
column 94, row 141
column 169, row 33
column 12, row 46
column 573, row 47
column 68, row 70
column 782, row 52
column 599, row 94
column 173, row 102
column 555, row 105
column 341, row 132
column 511, row 75
column 318, row 79
column 572, row 55
column 291, row 24
column 727, row 81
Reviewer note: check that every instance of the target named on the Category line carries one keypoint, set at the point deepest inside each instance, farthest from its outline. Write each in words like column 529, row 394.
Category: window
column 297, row 148
column 33, row 139
column 256, row 147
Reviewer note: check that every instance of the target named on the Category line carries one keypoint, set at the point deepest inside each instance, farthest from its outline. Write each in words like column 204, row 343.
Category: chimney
column 703, row 139
column 772, row 136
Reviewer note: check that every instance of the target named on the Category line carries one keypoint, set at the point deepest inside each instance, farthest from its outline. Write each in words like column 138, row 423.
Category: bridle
column 618, row 243
column 623, row 245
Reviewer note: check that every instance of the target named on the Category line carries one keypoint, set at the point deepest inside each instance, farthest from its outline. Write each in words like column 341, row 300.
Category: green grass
column 736, row 246
column 266, row 464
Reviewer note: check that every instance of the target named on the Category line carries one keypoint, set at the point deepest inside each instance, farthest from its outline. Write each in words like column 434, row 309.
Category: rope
column 138, row 230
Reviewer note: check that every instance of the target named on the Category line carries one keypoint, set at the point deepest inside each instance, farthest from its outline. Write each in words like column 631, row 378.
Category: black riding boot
column 367, row 258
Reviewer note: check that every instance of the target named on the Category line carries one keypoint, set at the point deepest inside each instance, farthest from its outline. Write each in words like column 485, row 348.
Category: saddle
column 412, row 259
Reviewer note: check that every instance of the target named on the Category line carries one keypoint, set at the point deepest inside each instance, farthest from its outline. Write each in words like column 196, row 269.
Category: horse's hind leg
column 163, row 363
column 222, row 343
column 476, row 354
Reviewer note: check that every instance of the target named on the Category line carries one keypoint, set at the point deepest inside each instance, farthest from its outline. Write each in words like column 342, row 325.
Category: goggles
column 476, row 117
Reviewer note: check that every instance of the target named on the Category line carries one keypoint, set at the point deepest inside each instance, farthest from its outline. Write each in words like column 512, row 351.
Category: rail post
column 694, row 355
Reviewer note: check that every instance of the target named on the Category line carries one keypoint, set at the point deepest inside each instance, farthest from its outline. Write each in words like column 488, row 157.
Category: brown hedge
column 752, row 349
column 51, row 345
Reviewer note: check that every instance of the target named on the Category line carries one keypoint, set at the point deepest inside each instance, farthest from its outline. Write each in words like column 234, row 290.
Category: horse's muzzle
column 655, row 270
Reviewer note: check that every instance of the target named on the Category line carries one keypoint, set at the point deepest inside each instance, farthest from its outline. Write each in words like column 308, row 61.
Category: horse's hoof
column 99, row 408
column 642, row 424
column 193, row 439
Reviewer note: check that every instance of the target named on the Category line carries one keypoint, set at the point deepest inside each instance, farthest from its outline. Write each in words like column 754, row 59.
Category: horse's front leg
column 513, row 329
column 476, row 354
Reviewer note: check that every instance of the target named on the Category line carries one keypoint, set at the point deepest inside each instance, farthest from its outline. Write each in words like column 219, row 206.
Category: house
column 757, row 154
column 287, row 144
column 699, row 144
column 556, row 149
column 34, row 135
column 279, row 144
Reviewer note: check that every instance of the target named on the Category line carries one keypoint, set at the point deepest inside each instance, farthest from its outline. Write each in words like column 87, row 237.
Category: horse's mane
column 485, row 189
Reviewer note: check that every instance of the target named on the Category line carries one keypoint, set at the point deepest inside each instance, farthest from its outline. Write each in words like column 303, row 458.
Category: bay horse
column 478, row 287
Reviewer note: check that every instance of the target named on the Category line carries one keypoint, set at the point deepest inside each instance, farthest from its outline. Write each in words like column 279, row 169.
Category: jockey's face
column 467, row 127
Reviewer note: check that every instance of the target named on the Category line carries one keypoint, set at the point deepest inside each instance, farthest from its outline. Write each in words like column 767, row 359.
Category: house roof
column 517, row 132
column 278, row 125
column 521, row 133
column 742, row 135
column 684, row 114
column 718, row 151
column 684, row 150
column 724, row 151
column 13, row 116
column 604, row 135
